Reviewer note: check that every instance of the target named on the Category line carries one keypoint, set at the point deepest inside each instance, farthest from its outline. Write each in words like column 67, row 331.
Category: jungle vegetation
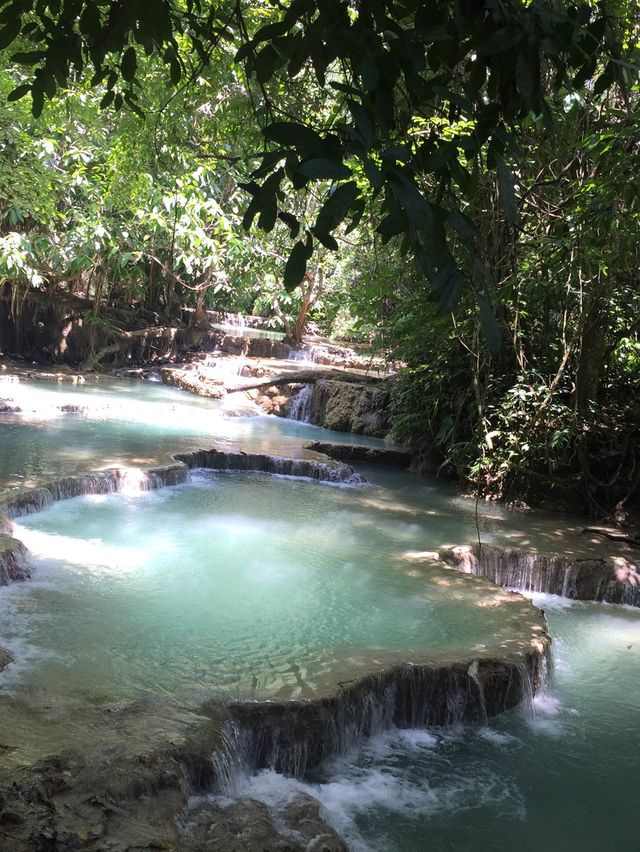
column 452, row 181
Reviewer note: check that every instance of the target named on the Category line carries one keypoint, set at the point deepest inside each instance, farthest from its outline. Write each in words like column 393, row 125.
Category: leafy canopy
column 417, row 94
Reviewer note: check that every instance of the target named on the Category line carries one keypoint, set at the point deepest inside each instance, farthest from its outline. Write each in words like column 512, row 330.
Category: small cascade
column 605, row 579
column 295, row 737
column 300, row 405
column 229, row 760
column 26, row 501
column 336, row 472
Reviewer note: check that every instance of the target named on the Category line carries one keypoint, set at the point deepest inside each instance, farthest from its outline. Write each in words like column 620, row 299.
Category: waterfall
column 300, row 405
column 294, row 737
column 604, row 579
column 26, row 501
column 319, row 471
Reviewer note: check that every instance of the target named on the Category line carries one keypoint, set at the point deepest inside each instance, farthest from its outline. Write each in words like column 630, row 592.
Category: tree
column 395, row 76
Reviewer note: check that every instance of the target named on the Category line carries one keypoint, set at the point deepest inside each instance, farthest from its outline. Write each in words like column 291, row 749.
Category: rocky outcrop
column 114, row 800
column 605, row 579
column 330, row 471
column 13, row 560
column 357, row 452
column 343, row 407
column 248, row 825
column 193, row 381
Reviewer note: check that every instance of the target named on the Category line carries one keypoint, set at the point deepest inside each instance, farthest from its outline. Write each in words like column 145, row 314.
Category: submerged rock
column 613, row 579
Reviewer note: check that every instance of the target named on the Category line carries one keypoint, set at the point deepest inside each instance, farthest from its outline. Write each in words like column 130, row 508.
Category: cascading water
column 300, row 405
column 129, row 624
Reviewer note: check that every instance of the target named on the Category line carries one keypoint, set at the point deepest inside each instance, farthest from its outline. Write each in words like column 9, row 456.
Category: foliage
column 552, row 415
column 473, row 161
column 395, row 78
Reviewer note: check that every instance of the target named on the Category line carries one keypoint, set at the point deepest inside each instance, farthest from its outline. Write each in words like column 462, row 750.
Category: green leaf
column 296, row 266
column 372, row 172
column 270, row 31
column 528, row 75
column 28, row 57
column 327, row 240
column 294, row 135
column 322, row 168
column 176, row 71
column 9, row 33
column 336, row 207
column 265, row 63
column 107, row 100
column 37, row 102
column 19, row 92
column 363, row 123
column 129, row 64
column 411, row 199
column 89, row 23
column 605, row 80
column 447, row 285
column 370, row 74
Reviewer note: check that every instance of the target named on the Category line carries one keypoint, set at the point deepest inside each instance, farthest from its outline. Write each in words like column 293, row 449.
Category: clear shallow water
column 237, row 584
column 567, row 779
column 129, row 422
column 564, row 779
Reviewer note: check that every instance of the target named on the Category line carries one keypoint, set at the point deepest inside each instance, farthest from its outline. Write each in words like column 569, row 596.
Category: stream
column 249, row 585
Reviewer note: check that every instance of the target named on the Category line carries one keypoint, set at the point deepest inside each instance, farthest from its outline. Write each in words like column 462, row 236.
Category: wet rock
column 25, row 501
column 276, row 399
column 345, row 407
column 304, row 816
column 248, row 825
column 332, row 471
column 193, row 381
column 70, row 408
column 295, row 736
column 7, row 407
column 355, row 452
column 14, row 565
column 5, row 658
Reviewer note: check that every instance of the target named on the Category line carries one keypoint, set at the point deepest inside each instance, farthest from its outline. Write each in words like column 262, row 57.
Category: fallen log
column 305, row 377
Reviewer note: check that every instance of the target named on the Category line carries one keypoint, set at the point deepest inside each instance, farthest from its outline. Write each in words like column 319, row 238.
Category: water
column 129, row 422
column 241, row 586
column 563, row 779
column 248, row 331
column 246, row 584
